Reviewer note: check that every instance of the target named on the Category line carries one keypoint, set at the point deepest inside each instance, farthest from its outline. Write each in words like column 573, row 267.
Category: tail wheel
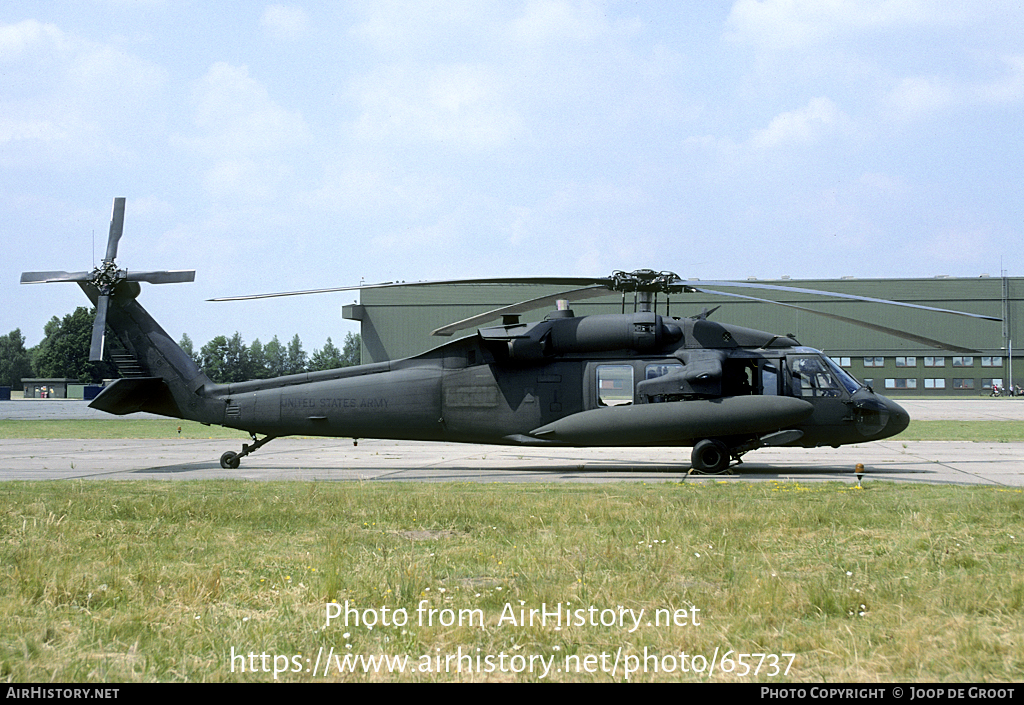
column 230, row 461
column 710, row 456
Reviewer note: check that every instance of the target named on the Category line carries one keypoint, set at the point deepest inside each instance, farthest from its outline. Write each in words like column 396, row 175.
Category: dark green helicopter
column 630, row 379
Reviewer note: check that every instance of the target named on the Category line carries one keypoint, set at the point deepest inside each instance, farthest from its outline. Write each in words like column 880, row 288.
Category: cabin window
column 614, row 385
column 769, row 378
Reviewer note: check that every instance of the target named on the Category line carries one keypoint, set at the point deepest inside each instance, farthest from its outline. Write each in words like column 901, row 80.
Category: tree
column 295, row 362
column 238, row 368
column 276, row 356
column 257, row 361
column 64, row 351
column 351, row 350
column 15, row 361
column 327, row 358
column 186, row 345
column 213, row 358
column 225, row 360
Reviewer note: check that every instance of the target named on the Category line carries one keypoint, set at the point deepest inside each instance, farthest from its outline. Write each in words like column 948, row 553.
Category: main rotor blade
column 853, row 297
column 853, row 321
column 116, row 228
column 522, row 307
column 99, row 328
column 559, row 281
column 42, row 277
column 167, row 277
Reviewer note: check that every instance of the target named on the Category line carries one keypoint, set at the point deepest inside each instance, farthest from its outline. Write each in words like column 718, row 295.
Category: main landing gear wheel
column 710, row 457
column 231, row 461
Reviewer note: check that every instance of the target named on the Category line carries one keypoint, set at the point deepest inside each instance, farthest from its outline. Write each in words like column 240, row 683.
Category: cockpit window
column 661, row 369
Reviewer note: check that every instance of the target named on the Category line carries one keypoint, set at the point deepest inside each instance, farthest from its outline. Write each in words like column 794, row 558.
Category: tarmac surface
column 938, row 462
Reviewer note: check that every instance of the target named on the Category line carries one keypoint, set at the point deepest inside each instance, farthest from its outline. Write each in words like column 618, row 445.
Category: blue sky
column 274, row 147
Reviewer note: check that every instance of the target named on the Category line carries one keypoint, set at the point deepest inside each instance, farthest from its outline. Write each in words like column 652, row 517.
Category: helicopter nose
column 877, row 417
column 899, row 419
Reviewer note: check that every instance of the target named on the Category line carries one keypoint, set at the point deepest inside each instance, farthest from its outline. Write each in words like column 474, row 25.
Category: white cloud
column 285, row 21
column 921, row 96
column 73, row 101
column 786, row 24
column 556, row 21
column 819, row 118
column 457, row 104
column 237, row 117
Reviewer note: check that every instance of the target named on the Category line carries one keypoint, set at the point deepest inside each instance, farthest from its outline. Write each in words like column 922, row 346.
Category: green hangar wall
column 396, row 322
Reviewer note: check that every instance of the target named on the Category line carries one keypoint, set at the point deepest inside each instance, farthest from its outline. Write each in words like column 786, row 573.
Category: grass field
column 997, row 431
column 232, row 580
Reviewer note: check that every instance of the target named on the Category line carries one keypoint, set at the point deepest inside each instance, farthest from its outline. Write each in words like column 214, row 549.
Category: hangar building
column 396, row 322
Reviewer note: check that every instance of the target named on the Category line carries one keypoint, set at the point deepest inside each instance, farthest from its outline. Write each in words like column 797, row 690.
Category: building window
column 989, row 383
column 963, row 383
column 963, row 362
column 874, row 362
column 901, row 384
column 934, row 361
column 906, row 362
column 935, row 384
column 991, row 362
column 842, row 361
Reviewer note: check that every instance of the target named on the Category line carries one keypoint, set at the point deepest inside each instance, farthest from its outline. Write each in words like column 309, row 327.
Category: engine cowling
column 564, row 333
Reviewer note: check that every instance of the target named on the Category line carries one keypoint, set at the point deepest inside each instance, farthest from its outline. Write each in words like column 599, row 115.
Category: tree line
column 64, row 352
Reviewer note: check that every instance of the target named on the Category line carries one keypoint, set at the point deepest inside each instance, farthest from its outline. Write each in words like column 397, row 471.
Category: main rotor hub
column 645, row 280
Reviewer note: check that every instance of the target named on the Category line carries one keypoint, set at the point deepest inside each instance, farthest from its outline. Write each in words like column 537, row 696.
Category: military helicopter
column 635, row 378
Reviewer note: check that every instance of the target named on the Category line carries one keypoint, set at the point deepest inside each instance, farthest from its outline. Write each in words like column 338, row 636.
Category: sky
column 276, row 147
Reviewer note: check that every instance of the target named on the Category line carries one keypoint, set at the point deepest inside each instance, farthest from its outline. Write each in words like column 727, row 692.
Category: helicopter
column 635, row 378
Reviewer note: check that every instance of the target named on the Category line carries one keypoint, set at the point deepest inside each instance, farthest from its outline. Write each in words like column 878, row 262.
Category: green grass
column 157, row 581
column 113, row 428
column 979, row 431
column 1000, row 431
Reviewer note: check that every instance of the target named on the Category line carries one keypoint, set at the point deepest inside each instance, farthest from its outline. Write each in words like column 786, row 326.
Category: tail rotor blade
column 167, row 277
column 116, row 228
column 99, row 329
column 42, row 277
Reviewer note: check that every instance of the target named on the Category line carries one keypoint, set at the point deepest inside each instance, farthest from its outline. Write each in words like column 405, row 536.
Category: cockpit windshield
column 847, row 380
column 815, row 375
